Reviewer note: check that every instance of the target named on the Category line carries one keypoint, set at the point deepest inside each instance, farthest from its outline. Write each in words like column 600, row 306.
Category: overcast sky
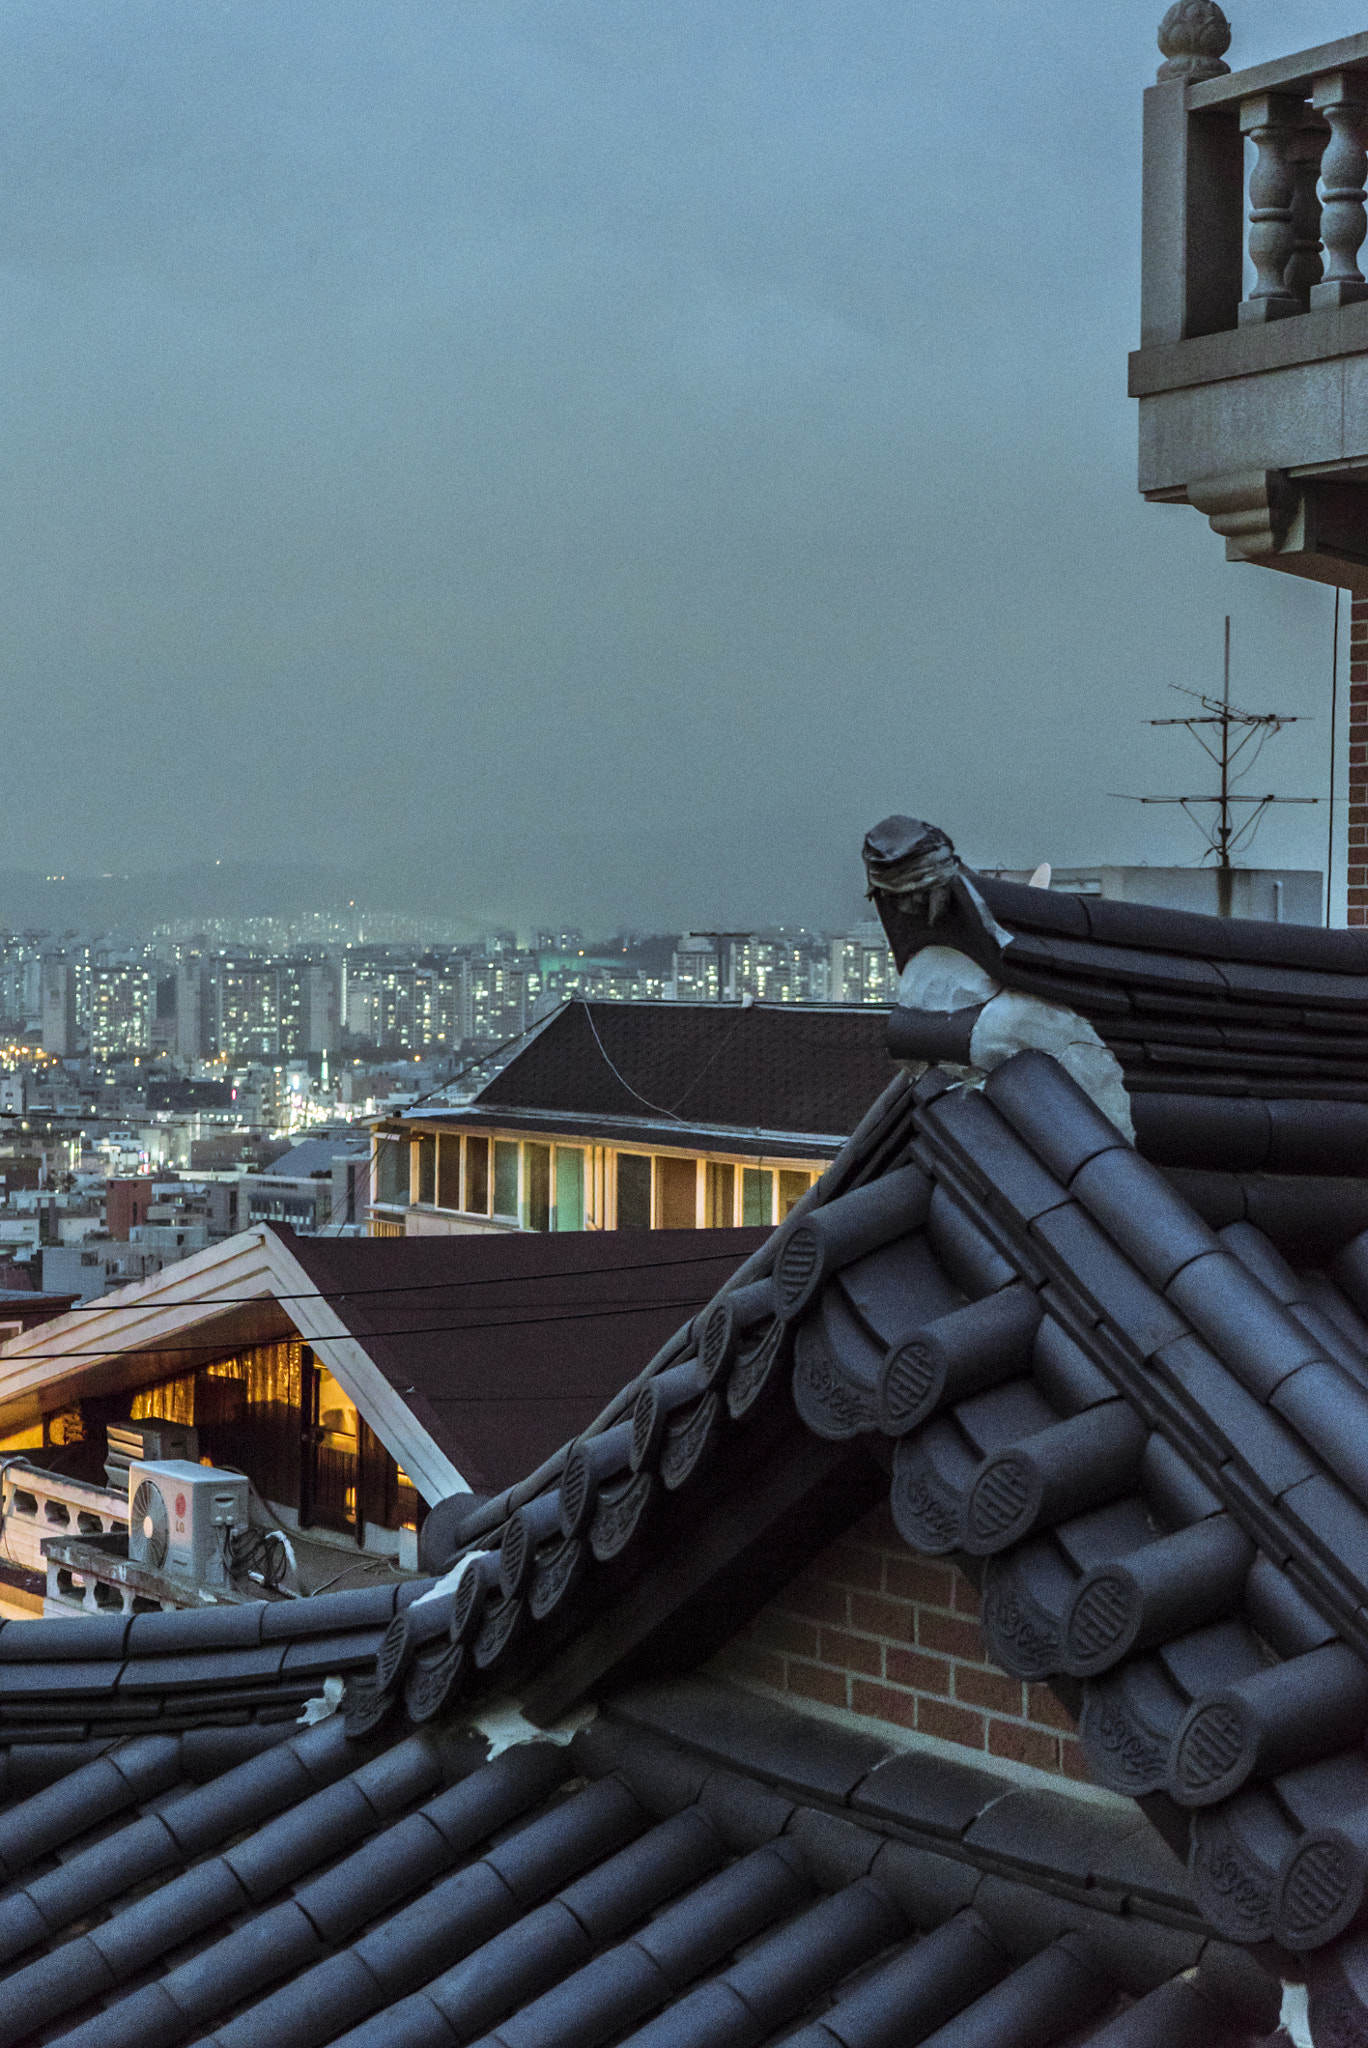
column 592, row 460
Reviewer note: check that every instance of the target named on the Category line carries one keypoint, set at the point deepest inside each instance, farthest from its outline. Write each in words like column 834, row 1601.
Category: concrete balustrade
column 1254, row 403
column 39, row 1506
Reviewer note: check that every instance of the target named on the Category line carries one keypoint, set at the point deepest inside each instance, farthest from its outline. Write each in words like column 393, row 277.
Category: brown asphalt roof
column 771, row 1067
column 516, row 1341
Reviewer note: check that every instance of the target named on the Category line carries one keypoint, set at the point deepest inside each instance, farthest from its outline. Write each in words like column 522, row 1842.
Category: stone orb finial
column 1194, row 36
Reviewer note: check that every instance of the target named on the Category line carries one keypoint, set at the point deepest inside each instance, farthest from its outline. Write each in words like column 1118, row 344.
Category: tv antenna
column 1233, row 739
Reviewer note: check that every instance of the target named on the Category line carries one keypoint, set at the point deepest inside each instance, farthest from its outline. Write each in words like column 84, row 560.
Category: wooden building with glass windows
column 638, row 1116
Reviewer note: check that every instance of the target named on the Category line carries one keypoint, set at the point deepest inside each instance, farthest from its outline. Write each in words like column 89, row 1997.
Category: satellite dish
column 1041, row 878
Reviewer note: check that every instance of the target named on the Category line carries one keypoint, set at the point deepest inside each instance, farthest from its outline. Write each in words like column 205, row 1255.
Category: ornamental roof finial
column 1194, row 36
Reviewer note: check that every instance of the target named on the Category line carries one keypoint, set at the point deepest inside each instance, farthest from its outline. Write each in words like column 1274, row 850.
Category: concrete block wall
column 1357, row 869
column 874, row 1629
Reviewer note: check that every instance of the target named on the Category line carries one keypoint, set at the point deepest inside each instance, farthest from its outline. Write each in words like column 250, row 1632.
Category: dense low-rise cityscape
column 159, row 1093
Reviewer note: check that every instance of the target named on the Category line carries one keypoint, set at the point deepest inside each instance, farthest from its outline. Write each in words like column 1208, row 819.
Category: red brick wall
column 1357, row 868
column 126, row 1205
column 877, row 1630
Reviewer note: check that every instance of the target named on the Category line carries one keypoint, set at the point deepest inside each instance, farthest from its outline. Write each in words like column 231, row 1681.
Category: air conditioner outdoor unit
column 145, row 1443
column 180, row 1517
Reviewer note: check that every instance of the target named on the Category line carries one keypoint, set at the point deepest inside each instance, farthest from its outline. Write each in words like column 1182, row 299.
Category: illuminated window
column 172, row 1401
column 569, row 1188
column 676, row 1194
column 719, row 1204
column 537, row 1187
column 337, row 1417
column 633, row 1191
column 505, row 1177
column 477, row 1176
column 792, row 1186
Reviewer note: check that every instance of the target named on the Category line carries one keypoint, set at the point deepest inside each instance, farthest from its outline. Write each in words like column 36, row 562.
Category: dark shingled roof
column 505, row 1344
column 771, row 1067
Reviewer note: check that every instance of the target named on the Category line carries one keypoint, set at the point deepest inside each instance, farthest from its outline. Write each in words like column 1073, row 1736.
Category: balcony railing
column 39, row 1504
column 74, row 1537
column 95, row 1575
column 46, row 1510
column 1253, row 365
column 1300, row 217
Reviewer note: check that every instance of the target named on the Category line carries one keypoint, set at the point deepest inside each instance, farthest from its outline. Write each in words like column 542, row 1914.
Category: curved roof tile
column 1136, row 1415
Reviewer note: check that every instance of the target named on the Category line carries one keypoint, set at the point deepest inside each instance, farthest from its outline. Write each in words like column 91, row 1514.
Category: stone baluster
column 1342, row 97
column 1305, row 269
column 1274, row 122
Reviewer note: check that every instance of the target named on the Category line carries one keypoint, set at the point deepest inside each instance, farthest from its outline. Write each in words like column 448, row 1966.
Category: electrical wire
column 608, row 1308
column 108, row 1307
column 250, row 1553
column 578, row 1315
column 658, row 1107
column 717, row 1053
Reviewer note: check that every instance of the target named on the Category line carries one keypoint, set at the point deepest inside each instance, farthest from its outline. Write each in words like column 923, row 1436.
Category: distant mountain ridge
column 210, row 889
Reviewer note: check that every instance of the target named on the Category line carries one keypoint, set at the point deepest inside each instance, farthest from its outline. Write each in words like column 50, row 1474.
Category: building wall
column 1357, row 872
column 873, row 1629
column 1268, row 895
column 59, row 1008
column 126, row 1205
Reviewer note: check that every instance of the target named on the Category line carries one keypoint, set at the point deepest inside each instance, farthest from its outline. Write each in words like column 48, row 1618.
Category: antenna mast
column 1224, row 836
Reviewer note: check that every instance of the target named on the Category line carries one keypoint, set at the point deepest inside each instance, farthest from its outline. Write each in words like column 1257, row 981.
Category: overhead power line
column 578, row 1313
column 107, row 1307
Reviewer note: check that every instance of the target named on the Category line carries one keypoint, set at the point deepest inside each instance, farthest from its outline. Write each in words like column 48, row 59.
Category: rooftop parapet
column 1252, row 373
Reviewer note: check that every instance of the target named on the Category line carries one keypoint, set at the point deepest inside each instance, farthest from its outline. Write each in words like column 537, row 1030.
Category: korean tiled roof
column 1189, row 1004
column 1148, row 1430
column 695, row 1869
column 1131, row 1399
column 775, row 1068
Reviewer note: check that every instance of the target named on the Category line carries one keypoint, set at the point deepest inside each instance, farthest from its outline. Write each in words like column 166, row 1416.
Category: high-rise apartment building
column 309, row 1008
column 246, row 1009
column 405, row 1005
column 501, row 993
column 697, row 969
column 862, row 968
column 122, row 1000
column 776, row 968
column 58, row 985
column 192, row 988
